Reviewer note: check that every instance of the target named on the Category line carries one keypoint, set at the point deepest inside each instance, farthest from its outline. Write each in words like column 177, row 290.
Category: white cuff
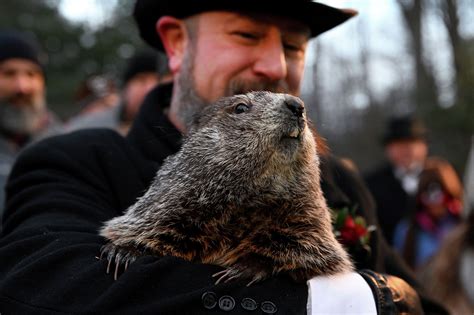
column 346, row 293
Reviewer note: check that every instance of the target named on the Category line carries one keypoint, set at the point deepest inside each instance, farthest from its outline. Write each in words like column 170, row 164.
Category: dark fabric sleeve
column 59, row 194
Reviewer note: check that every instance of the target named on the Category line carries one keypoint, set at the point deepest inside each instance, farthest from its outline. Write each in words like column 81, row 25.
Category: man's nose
column 271, row 62
column 23, row 84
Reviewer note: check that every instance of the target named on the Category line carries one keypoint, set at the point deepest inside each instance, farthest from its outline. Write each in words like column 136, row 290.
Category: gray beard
column 20, row 120
column 190, row 103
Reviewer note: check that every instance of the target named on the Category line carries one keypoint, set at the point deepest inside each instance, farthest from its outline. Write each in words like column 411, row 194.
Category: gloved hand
column 392, row 294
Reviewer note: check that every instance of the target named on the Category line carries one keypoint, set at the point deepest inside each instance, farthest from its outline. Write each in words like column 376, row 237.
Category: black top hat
column 318, row 17
column 404, row 128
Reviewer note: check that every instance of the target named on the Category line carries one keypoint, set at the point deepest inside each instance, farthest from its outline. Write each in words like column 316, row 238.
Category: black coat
column 393, row 203
column 61, row 191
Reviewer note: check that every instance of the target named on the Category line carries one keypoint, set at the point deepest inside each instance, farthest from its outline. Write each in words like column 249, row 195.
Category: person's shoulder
column 108, row 118
column 77, row 143
column 83, row 137
column 98, row 151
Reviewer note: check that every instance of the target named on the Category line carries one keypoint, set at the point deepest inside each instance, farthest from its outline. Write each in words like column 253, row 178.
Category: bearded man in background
column 24, row 115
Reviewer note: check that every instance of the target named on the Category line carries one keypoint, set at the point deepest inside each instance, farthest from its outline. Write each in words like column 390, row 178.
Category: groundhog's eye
column 241, row 108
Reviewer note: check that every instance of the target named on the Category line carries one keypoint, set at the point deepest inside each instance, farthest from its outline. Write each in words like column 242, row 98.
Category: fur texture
column 243, row 193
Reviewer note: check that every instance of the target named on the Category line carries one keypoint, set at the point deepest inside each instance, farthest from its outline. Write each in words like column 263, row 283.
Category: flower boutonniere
column 351, row 229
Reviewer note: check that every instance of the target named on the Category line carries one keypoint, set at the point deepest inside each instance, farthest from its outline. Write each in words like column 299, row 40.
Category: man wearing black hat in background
column 24, row 115
column 394, row 184
column 78, row 181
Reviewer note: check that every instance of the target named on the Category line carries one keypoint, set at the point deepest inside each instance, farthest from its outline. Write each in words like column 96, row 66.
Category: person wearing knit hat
column 22, row 86
column 24, row 115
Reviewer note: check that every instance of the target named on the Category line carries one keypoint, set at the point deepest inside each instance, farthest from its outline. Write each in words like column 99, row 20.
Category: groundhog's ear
column 174, row 38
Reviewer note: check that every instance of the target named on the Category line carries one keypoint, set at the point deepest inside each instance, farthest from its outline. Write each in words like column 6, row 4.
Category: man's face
column 234, row 53
column 22, row 96
column 230, row 53
column 407, row 154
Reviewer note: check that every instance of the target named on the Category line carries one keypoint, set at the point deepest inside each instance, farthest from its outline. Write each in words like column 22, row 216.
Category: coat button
column 249, row 304
column 226, row 303
column 268, row 307
column 209, row 300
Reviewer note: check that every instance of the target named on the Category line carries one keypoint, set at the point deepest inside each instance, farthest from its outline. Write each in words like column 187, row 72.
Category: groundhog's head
column 260, row 131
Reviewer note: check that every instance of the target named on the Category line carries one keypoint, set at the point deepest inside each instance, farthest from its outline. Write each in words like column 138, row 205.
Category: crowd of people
column 61, row 180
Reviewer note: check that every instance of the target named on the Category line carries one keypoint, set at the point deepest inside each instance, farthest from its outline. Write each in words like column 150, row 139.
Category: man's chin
column 18, row 131
column 20, row 122
column 22, row 103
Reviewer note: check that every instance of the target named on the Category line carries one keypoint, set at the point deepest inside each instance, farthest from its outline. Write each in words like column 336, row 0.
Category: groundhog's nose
column 296, row 107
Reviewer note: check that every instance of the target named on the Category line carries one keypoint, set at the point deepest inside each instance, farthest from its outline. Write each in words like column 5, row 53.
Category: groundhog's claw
column 232, row 273
column 250, row 267
column 225, row 275
column 118, row 256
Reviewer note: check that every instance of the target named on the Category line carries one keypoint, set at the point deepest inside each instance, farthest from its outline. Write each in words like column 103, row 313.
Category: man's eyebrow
column 297, row 28
column 245, row 17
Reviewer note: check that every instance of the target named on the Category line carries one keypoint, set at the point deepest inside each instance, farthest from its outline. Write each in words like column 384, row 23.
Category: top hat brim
column 318, row 17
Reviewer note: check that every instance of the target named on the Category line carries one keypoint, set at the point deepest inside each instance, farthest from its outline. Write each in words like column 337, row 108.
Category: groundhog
column 243, row 192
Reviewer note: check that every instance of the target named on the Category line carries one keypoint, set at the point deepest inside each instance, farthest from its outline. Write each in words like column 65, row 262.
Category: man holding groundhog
column 62, row 190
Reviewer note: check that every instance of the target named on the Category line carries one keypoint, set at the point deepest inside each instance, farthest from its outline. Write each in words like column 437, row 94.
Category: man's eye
column 291, row 47
column 247, row 35
column 7, row 73
column 241, row 108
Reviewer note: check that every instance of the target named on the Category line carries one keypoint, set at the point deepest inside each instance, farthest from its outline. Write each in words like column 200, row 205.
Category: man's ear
column 174, row 38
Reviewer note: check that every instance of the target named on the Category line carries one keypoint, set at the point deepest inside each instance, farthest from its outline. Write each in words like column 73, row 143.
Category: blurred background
column 396, row 57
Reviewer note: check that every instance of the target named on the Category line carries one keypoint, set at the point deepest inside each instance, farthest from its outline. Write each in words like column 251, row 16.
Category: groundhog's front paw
column 118, row 255
column 252, row 268
column 238, row 273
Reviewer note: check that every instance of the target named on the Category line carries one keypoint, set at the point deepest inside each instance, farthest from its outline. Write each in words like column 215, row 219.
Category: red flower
column 351, row 230
column 360, row 230
column 348, row 236
column 349, row 222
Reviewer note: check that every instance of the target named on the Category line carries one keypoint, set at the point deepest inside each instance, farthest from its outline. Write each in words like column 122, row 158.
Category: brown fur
column 243, row 192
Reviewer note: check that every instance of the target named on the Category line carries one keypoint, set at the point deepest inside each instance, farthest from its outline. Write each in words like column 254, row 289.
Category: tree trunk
column 425, row 94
